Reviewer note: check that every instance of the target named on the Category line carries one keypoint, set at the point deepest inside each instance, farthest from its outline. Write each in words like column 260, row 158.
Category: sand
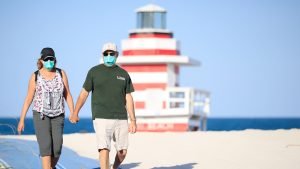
column 248, row 149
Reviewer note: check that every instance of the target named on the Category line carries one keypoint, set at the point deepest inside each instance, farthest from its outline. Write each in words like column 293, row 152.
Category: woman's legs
column 43, row 135
column 46, row 162
column 54, row 161
column 57, row 126
column 49, row 133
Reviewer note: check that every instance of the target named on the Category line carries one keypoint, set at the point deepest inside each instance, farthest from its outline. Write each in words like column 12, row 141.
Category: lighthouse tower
column 153, row 59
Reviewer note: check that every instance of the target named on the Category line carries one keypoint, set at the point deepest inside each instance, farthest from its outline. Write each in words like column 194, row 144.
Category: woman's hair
column 40, row 63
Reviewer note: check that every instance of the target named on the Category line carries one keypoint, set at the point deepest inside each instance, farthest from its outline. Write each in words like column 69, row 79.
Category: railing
column 189, row 101
column 12, row 127
column 174, row 101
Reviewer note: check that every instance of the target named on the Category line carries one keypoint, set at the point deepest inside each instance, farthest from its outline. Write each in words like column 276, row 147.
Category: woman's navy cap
column 47, row 52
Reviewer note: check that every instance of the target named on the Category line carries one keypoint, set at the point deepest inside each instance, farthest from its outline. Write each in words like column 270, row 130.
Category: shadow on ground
column 25, row 154
column 126, row 166
column 183, row 166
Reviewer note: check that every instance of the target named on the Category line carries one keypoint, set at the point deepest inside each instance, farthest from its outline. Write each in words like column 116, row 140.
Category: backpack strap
column 59, row 71
column 61, row 75
column 37, row 72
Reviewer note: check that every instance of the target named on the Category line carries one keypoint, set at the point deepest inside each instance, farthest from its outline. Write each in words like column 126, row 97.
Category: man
column 111, row 88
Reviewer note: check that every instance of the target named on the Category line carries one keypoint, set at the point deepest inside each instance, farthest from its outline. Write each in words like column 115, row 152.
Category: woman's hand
column 21, row 126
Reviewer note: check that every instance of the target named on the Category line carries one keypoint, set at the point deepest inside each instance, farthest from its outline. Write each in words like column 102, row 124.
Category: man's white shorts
column 108, row 129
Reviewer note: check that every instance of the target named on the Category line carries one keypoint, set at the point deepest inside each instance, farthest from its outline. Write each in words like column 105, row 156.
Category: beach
column 247, row 149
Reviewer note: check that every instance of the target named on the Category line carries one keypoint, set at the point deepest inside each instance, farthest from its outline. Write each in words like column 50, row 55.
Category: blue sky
column 249, row 50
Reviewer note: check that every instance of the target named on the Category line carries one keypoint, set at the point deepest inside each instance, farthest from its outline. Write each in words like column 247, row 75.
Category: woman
column 47, row 88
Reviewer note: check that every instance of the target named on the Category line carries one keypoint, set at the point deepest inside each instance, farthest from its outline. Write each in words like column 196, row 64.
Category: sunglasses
column 109, row 53
column 49, row 58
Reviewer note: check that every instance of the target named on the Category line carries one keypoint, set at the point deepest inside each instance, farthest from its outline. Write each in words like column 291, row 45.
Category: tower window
column 156, row 20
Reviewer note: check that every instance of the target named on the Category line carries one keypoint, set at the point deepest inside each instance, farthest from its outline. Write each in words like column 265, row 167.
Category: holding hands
column 73, row 118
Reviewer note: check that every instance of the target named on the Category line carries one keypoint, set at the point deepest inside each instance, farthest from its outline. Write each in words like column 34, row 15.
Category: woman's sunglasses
column 109, row 53
column 49, row 58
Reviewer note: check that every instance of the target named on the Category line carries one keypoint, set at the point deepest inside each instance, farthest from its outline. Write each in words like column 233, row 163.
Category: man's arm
column 131, row 113
column 80, row 102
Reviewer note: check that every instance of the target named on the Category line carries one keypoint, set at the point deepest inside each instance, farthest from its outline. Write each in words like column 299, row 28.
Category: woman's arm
column 67, row 93
column 80, row 102
column 27, row 102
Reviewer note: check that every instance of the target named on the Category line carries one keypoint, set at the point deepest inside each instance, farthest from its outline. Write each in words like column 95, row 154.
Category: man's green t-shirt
column 109, row 86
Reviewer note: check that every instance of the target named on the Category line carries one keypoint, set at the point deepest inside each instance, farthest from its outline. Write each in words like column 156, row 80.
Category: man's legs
column 104, row 131
column 104, row 158
column 121, row 138
column 120, row 156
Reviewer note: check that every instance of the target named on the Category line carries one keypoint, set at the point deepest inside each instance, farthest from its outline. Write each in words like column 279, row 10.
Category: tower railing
column 190, row 101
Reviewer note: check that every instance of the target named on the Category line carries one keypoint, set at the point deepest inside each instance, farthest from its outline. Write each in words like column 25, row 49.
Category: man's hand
column 132, row 126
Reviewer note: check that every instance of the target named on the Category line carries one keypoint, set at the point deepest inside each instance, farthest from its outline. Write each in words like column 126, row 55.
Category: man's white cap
column 109, row 46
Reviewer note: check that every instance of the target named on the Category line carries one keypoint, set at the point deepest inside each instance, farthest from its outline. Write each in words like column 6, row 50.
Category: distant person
column 111, row 88
column 48, row 87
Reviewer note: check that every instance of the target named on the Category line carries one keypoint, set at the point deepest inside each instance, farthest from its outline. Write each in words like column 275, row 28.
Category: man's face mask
column 109, row 58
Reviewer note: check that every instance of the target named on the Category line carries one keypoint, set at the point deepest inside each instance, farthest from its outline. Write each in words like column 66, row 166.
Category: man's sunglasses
column 49, row 58
column 109, row 53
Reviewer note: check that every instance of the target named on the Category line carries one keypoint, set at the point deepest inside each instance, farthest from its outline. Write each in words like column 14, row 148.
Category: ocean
column 8, row 126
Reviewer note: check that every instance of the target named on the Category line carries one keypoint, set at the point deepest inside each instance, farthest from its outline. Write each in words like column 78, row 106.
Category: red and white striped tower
column 152, row 57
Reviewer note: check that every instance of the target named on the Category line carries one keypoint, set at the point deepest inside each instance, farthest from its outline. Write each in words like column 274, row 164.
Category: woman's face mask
column 49, row 64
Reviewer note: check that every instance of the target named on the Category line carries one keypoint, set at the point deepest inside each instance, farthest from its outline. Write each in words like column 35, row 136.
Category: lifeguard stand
column 152, row 57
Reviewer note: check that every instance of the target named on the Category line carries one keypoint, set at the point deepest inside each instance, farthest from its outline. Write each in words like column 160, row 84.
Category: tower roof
column 151, row 8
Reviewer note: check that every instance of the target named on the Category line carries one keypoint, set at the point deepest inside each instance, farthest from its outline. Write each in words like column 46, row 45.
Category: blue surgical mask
column 109, row 60
column 49, row 64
